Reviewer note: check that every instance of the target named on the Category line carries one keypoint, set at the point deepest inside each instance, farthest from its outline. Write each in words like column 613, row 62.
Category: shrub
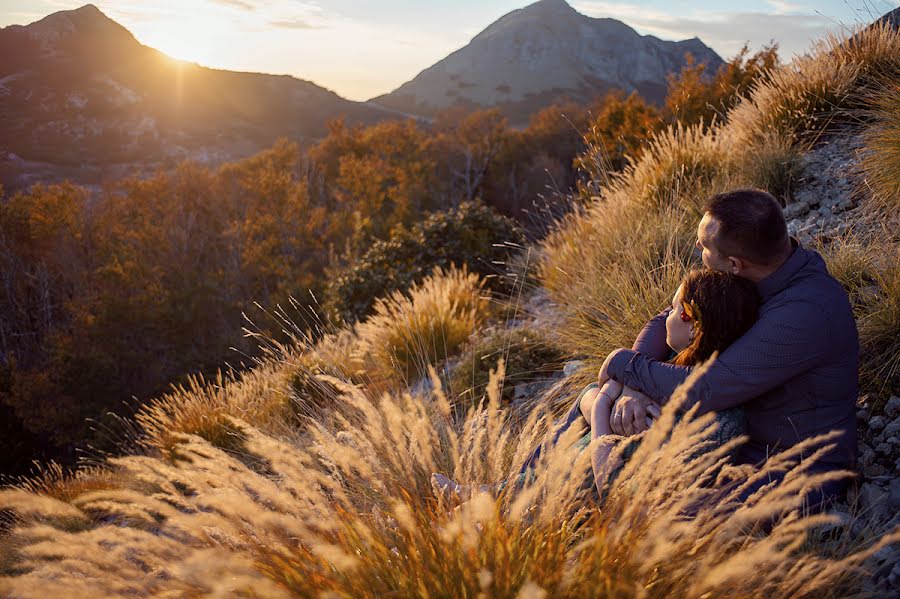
column 408, row 332
column 473, row 235
column 697, row 97
column 528, row 355
column 618, row 131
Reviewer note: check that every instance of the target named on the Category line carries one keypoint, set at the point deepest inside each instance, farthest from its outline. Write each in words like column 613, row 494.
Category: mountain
column 81, row 98
column 537, row 54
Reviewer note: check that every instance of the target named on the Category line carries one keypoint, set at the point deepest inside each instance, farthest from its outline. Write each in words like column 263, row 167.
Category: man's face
column 712, row 258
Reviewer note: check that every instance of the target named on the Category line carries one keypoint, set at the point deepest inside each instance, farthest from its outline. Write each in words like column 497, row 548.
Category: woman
column 710, row 310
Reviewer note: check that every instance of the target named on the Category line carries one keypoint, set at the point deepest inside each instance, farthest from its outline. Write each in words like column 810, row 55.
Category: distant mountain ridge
column 80, row 95
column 82, row 99
column 532, row 56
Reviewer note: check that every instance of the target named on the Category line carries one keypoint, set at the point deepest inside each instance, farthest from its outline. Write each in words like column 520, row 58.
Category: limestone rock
column 874, row 501
column 892, row 408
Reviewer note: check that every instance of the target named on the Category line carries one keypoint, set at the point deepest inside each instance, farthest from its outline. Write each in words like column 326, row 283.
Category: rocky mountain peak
column 86, row 22
column 535, row 55
column 550, row 7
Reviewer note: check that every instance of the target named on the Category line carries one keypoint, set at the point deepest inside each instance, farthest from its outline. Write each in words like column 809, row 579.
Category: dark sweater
column 795, row 372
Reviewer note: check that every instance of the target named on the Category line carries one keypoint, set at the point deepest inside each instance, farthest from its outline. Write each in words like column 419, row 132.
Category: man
column 795, row 372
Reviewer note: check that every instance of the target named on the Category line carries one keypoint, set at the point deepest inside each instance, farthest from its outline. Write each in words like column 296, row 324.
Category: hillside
column 310, row 475
column 81, row 98
column 539, row 54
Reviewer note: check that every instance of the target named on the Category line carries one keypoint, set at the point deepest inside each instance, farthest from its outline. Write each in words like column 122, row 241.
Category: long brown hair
column 729, row 305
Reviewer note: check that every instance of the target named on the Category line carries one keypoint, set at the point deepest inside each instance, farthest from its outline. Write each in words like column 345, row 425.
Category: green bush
column 474, row 235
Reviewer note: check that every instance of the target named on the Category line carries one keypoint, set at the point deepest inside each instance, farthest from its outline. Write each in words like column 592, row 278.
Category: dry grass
column 611, row 270
column 227, row 498
column 678, row 166
column 802, row 98
column 882, row 163
column 869, row 269
column 351, row 515
column 770, row 164
column 408, row 332
column 207, row 409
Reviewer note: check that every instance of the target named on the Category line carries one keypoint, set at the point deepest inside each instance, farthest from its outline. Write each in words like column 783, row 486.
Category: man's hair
column 751, row 225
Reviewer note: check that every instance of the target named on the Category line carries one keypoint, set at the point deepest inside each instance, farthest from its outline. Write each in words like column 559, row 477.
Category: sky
column 363, row 48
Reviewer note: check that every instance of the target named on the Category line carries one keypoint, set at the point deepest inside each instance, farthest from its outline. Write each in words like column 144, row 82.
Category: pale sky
column 364, row 48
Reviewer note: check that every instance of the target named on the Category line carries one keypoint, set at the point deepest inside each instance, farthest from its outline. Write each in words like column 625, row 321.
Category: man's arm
column 785, row 341
column 651, row 341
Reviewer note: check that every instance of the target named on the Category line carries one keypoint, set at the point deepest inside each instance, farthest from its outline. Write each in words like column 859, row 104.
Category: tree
column 618, row 131
column 696, row 96
column 466, row 147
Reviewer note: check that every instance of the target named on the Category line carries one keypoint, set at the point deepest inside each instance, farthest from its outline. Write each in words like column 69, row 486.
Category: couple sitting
column 788, row 348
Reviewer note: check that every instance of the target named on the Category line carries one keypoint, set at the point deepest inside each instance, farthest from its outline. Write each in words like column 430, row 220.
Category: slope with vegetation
column 309, row 475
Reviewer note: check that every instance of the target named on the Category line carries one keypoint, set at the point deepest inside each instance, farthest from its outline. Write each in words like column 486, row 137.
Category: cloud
column 295, row 24
column 241, row 4
column 785, row 8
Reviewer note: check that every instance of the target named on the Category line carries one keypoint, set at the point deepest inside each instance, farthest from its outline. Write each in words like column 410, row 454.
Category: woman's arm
column 601, row 449
column 602, row 408
column 611, row 389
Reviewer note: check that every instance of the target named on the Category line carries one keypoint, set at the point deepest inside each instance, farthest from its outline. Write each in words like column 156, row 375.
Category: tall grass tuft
column 678, row 165
column 882, row 136
column 771, row 164
column 408, row 332
column 803, row 98
column 350, row 514
column 869, row 269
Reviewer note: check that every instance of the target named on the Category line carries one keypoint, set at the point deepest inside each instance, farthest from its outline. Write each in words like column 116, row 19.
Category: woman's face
column 678, row 333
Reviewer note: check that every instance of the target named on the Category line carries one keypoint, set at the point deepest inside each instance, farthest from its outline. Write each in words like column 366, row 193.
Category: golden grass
column 230, row 499
column 678, row 165
column 882, row 137
column 611, row 270
column 409, row 331
column 770, row 164
column 206, row 408
column 351, row 515
column 802, row 98
column 869, row 269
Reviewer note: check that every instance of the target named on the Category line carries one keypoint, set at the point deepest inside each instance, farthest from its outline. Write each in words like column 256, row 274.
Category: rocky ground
column 828, row 189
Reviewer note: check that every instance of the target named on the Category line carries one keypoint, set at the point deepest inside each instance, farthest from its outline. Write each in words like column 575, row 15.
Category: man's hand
column 629, row 415
column 603, row 377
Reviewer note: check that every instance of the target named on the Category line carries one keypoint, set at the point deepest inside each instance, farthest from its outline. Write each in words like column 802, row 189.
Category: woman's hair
column 728, row 307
